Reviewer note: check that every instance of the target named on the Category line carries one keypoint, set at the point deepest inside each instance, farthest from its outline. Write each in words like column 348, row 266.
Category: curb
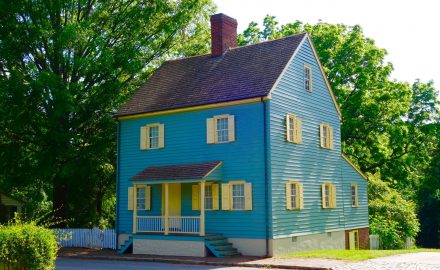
column 193, row 262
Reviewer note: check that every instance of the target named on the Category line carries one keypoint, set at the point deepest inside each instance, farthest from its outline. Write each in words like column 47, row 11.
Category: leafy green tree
column 389, row 128
column 65, row 66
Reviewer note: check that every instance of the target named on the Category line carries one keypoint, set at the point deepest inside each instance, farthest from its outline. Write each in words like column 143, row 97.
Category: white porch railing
column 176, row 224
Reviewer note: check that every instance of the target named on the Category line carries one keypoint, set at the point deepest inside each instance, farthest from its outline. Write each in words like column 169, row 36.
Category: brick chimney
column 223, row 34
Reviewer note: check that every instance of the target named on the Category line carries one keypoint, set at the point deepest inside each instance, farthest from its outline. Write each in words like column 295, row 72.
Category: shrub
column 28, row 245
column 392, row 216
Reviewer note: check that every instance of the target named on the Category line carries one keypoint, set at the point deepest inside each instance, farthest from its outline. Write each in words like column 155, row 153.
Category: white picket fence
column 374, row 241
column 86, row 238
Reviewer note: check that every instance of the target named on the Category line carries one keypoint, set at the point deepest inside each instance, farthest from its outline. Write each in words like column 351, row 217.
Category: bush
column 28, row 245
column 392, row 216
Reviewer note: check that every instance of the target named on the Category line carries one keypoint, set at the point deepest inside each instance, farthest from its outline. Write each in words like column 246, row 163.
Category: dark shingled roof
column 242, row 72
column 182, row 171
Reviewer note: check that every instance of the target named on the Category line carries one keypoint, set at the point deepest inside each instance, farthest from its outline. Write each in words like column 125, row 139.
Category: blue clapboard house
column 237, row 152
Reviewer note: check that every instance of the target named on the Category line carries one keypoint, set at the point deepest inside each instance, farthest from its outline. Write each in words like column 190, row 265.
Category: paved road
column 409, row 261
column 75, row 264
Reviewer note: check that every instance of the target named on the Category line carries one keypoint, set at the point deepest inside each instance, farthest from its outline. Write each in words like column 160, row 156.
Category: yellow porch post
column 166, row 209
column 202, row 208
column 134, row 208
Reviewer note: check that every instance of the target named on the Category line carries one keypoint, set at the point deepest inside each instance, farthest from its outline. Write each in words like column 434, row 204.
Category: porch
column 164, row 198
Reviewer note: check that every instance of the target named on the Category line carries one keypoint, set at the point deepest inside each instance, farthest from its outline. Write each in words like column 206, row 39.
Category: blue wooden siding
column 185, row 142
column 305, row 162
column 355, row 217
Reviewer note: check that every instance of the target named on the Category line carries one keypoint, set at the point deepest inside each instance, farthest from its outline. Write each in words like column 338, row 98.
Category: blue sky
column 408, row 30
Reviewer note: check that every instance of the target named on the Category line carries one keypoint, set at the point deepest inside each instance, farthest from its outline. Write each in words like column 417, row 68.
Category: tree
column 389, row 128
column 65, row 66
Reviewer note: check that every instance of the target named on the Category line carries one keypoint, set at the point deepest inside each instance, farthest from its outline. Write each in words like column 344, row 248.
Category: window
column 294, row 195
column 141, row 197
column 141, row 194
column 237, row 195
column 211, row 196
column 328, row 195
column 307, row 78
column 293, row 129
column 220, row 129
column 152, row 137
column 326, row 136
column 354, row 195
column 208, row 197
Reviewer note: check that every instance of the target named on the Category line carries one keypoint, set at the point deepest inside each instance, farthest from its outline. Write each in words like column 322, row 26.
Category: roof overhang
column 180, row 173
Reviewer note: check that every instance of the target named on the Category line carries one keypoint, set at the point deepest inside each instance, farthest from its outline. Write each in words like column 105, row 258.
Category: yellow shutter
column 231, row 128
column 148, row 198
column 161, row 135
column 130, row 198
column 215, row 204
column 247, row 196
column 226, row 196
column 333, row 196
column 195, row 197
column 321, row 135
column 330, row 137
column 288, row 197
column 301, row 196
column 143, row 142
column 287, row 128
column 210, row 130
column 298, row 130
column 323, row 195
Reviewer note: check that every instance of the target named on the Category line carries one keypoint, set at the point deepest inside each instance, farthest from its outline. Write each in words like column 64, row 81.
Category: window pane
column 291, row 127
column 293, row 195
column 208, row 197
column 140, row 195
column 222, row 130
column 327, row 196
column 154, row 137
column 238, row 196
column 353, row 196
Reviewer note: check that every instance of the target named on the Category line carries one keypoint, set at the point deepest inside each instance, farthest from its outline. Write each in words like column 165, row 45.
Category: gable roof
column 176, row 172
column 241, row 73
column 354, row 166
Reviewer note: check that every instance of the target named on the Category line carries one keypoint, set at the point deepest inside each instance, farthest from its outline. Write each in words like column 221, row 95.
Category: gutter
column 266, row 169
column 118, row 145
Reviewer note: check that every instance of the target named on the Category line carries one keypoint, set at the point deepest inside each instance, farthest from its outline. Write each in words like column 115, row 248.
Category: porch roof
column 193, row 171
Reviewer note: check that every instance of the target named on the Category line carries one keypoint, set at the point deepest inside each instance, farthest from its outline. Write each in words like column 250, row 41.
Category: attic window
column 308, row 78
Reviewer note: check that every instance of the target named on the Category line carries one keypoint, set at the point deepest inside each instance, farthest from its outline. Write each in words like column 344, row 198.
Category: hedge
column 27, row 246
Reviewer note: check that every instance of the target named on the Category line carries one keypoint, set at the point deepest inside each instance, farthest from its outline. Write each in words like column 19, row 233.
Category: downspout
column 266, row 170
column 118, row 144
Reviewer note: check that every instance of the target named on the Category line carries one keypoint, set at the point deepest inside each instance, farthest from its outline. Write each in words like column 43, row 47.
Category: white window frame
column 138, row 198
column 308, row 78
column 217, row 130
column 329, row 195
column 294, row 195
column 326, row 138
column 209, row 200
column 242, row 197
column 354, row 195
column 151, row 137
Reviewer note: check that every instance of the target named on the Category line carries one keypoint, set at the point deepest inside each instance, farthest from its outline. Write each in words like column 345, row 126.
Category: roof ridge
column 238, row 47
column 266, row 41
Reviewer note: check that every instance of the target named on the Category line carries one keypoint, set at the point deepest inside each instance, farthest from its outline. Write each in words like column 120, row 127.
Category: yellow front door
column 174, row 206
column 174, row 197
column 353, row 240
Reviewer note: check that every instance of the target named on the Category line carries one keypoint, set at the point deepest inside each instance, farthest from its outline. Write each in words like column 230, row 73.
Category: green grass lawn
column 353, row 255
